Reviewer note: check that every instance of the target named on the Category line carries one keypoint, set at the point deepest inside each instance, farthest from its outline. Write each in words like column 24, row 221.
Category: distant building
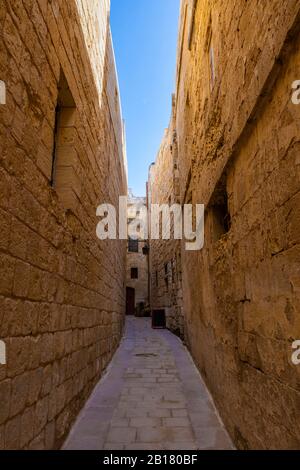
column 137, row 295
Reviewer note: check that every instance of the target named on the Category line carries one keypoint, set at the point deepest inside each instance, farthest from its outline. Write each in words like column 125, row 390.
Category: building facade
column 62, row 291
column 238, row 132
column 137, row 281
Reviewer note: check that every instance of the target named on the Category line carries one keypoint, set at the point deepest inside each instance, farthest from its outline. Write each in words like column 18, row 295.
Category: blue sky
column 145, row 42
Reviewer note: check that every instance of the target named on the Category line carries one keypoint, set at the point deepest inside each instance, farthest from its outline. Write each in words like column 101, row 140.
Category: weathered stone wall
column 165, row 255
column 62, row 291
column 238, row 143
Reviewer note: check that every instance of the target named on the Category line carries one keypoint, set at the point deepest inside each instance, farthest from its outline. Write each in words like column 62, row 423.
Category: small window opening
column 220, row 210
column 192, row 23
column 133, row 246
column 209, row 47
column 134, row 273
column 212, row 65
column 64, row 174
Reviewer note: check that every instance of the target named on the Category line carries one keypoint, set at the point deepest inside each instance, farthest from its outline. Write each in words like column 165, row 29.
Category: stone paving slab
column 152, row 397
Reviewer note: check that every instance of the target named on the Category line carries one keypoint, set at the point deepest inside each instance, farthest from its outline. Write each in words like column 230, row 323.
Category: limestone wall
column 165, row 255
column 62, row 291
column 238, row 143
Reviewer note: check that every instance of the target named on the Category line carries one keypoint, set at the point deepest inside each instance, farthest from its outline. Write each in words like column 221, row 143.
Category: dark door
column 130, row 301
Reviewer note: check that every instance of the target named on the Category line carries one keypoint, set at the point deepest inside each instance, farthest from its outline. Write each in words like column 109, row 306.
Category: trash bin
column 158, row 319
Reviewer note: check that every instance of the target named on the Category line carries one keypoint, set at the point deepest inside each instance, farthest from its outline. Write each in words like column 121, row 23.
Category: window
column 156, row 278
column 220, row 210
column 210, row 54
column 193, row 7
column 2, row 92
column 64, row 177
column 134, row 273
column 209, row 49
column 212, row 65
column 133, row 246
column 221, row 218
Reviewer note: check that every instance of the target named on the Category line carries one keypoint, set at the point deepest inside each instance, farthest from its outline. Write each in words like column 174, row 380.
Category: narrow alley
column 151, row 398
column 149, row 225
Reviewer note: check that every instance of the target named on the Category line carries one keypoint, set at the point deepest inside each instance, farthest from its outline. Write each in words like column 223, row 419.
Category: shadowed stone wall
column 165, row 255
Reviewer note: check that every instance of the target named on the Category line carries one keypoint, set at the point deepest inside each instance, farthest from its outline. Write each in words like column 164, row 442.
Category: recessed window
column 64, row 177
column 212, row 65
column 209, row 47
column 219, row 208
column 2, row 92
column 193, row 6
column 134, row 273
column 222, row 221
column 133, row 246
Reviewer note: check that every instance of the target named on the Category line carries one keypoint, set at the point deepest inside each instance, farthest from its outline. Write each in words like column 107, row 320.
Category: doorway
column 130, row 301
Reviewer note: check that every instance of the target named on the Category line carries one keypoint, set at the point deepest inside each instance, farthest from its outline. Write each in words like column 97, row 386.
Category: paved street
column 151, row 398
